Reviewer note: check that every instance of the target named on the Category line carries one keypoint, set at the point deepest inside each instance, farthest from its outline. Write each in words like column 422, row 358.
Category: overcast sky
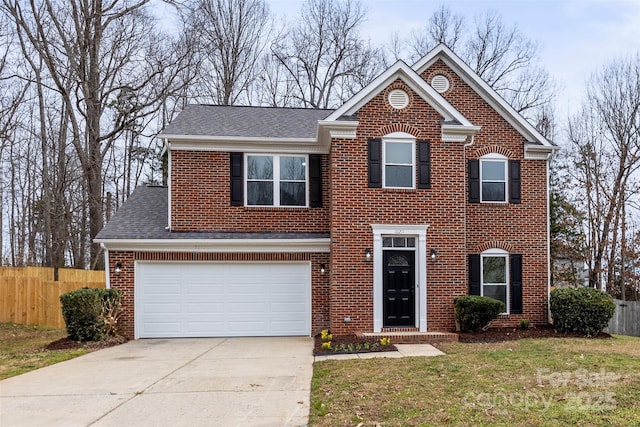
column 576, row 37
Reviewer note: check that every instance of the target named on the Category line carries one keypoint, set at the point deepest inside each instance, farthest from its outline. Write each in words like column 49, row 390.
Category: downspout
column 466, row 185
column 548, row 240
column 107, row 268
column 167, row 148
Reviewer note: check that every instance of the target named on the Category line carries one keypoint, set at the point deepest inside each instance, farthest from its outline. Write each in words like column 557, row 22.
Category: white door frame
column 419, row 231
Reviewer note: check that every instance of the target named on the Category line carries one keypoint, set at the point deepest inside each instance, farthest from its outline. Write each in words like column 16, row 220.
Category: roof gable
column 400, row 70
column 458, row 66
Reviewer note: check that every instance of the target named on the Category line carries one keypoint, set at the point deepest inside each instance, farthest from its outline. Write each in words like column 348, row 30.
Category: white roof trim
column 217, row 245
column 538, row 152
column 211, row 138
column 261, row 146
column 483, row 89
column 400, row 70
column 328, row 129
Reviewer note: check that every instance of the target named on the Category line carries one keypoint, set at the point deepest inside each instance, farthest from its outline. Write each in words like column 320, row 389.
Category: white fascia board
column 335, row 129
column 217, row 245
column 256, row 145
column 400, row 70
column 481, row 88
column 458, row 133
column 538, row 152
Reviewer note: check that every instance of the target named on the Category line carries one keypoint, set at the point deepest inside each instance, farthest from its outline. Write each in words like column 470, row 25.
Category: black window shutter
column 375, row 163
column 315, row 180
column 474, row 181
column 237, row 184
column 474, row 274
column 516, row 283
column 514, row 181
column 424, row 164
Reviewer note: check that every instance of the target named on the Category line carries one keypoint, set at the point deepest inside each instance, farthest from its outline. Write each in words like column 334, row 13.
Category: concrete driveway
column 169, row 382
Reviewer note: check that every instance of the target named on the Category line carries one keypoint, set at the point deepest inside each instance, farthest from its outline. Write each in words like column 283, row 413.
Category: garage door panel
column 205, row 308
column 222, row 299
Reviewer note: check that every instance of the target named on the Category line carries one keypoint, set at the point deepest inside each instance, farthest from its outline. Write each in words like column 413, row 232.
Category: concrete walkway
column 168, row 382
column 404, row 350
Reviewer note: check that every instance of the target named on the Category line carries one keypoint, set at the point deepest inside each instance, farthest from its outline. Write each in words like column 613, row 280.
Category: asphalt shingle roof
column 251, row 122
column 144, row 216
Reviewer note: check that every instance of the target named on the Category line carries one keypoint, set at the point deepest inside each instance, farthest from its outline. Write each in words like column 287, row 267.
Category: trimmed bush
column 91, row 314
column 475, row 312
column 583, row 310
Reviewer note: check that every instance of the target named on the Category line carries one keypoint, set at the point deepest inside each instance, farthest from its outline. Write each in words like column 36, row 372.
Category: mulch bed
column 511, row 334
column 69, row 344
column 353, row 340
column 491, row 335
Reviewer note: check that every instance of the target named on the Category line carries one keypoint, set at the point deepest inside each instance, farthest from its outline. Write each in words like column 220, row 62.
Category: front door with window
column 399, row 288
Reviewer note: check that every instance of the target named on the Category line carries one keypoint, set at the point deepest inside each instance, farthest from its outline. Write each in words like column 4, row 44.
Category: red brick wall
column 125, row 280
column 521, row 228
column 355, row 207
column 200, row 200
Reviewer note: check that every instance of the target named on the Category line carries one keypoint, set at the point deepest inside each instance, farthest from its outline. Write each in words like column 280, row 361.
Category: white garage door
column 222, row 299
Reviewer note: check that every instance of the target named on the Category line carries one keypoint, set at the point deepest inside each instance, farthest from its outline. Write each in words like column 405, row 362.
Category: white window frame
column 493, row 157
column 496, row 253
column 276, row 179
column 398, row 138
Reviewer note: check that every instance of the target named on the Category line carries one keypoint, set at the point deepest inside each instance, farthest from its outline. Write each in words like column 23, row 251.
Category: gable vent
column 398, row 99
column 440, row 83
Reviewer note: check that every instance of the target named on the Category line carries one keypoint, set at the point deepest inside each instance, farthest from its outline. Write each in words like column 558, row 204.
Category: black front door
column 399, row 288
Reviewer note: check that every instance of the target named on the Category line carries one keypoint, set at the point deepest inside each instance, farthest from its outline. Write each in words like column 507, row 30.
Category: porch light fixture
column 118, row 268
column 367, row 255
column 323, row 269
column 433, row 255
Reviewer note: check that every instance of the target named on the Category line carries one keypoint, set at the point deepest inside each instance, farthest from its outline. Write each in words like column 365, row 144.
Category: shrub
column 475, row 312
column 583, row 310
column 524, row 324
column 91, row 314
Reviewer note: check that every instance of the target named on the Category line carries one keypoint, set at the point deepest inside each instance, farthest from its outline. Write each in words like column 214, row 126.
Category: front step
column 413, row 336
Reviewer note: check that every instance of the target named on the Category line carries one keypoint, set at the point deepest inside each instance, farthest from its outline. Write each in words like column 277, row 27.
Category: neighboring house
column 373, row 217
column 567, row 272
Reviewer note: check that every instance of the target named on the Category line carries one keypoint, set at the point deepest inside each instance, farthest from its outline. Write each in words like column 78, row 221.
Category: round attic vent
column 398, row 99
column 440, row 83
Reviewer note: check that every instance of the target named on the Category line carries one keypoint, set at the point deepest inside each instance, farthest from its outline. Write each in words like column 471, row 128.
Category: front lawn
column 531, row 382
column 22, row 348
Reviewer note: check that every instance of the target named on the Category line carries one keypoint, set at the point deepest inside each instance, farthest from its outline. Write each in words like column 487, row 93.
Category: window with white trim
column 494, row 275
column 276, row 180
column 493, row 178
column 399, row 160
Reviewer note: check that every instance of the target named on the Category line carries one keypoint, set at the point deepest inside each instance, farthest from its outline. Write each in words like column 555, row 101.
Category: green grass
column 587, row 382
column 22, row 349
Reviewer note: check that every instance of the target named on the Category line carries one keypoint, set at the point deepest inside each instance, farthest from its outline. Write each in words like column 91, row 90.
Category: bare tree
column 232, row 34
column 501, row 55
column 605, row 135
column 443, row 26
column 120, row 70
column 325, row 56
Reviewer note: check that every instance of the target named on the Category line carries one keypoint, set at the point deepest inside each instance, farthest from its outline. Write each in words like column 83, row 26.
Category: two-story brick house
column 424, row 186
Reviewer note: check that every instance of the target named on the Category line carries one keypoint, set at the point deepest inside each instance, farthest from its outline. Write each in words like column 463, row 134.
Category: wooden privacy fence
column 32, row 297
column 626, row 318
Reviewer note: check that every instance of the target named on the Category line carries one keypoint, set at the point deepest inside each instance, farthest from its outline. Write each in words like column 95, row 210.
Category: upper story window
column 493, row 178
column 276, row 180
column 399, row 159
